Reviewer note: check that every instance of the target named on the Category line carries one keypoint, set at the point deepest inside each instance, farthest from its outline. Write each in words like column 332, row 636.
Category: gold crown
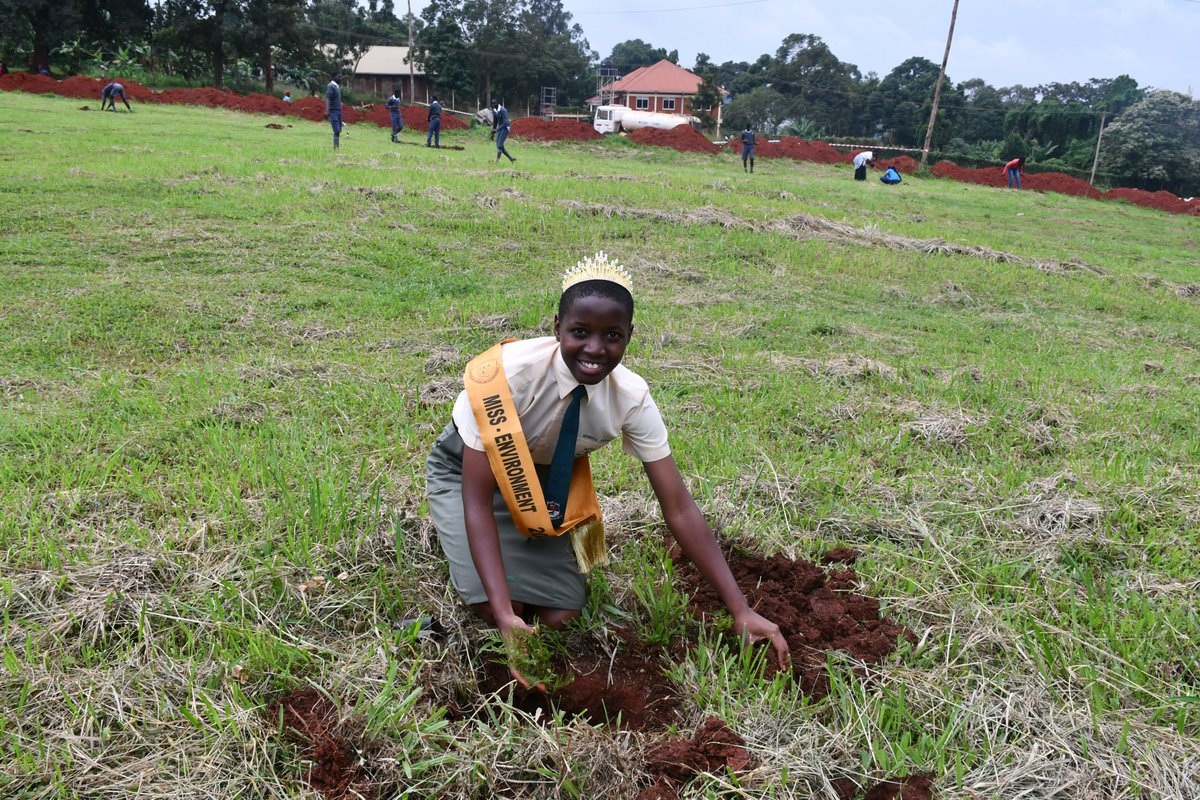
column 598, row 268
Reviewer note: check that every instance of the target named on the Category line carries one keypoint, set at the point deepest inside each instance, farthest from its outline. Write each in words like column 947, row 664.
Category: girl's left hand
column 754, row 627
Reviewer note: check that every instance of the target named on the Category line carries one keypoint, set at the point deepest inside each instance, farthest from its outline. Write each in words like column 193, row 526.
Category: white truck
column 614, row 119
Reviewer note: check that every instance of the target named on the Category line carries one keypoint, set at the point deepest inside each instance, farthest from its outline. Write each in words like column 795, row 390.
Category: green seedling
column 532, row 655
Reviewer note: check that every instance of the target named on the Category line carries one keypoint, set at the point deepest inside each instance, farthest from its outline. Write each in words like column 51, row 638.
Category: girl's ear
column 556, row 327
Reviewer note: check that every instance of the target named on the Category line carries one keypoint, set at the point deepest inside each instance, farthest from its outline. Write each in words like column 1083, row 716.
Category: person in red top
column 1013, row 169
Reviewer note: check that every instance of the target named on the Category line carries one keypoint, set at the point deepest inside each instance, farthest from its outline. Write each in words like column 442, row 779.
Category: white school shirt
column 541, row 385
column 863, row 158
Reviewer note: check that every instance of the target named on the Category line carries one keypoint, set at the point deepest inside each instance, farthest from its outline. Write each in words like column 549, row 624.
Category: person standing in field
column 287, row 96
column 1013, row 170
column 109, row 95
column 748, row 143
column 333, row 108
column 393, row 107
column 500, row 123
column 435, row 124
column 861, row 161
column 509, row 484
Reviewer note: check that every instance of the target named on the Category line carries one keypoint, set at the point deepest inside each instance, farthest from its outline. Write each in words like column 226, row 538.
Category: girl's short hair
column 613, row 291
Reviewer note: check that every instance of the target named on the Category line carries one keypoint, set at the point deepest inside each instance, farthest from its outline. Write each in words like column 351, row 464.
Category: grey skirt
column 541, row 570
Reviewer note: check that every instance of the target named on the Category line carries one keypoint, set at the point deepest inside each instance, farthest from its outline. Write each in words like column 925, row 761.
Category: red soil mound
column 684, row 138
column 1163, row 201
column 794, row 148
column 555, row 130
column 28, row 82
column 906, row 165
column 415, row 117
column 714, row 749
column 336, row 771
column 815, row 609
column 630, row 689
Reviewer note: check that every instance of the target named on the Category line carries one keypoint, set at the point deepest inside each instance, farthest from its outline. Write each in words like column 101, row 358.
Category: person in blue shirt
column 393, row 107
column 435, row 124
column 333, row 107
column 500, row 123
column 748, row 142
column 110, row 94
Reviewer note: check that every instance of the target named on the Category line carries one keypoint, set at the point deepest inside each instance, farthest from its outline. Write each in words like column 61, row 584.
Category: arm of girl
column 689, row 528
column 478, row 488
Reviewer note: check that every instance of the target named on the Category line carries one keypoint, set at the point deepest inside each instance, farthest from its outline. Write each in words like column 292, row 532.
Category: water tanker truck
column 614, row 119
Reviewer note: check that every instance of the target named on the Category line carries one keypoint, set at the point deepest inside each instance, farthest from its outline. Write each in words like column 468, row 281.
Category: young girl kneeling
column 515, row 511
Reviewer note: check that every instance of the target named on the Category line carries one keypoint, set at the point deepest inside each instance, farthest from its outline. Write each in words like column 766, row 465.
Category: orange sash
column 512, row 465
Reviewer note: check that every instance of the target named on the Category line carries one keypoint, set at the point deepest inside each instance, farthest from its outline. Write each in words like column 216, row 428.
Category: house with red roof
column 664, row 88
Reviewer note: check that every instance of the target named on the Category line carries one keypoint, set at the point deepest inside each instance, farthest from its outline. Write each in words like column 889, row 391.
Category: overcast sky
column 1005, row 42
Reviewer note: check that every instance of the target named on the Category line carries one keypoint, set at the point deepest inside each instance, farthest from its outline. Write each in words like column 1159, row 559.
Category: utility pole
column 937, row 92
column 412, row 84
column 1096, row 158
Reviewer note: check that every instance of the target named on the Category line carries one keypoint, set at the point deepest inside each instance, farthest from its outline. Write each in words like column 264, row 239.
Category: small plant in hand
column 532, row 655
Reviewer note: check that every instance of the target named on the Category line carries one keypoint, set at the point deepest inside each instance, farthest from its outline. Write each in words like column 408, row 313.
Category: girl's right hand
column 508, row 625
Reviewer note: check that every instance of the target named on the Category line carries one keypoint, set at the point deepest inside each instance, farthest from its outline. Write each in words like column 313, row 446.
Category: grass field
column 225, row 351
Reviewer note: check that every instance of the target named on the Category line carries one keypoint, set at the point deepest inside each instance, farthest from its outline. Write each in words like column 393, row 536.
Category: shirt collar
column 564, row 379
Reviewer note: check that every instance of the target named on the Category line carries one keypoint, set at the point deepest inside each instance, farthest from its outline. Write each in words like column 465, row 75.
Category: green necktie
column 558, row 480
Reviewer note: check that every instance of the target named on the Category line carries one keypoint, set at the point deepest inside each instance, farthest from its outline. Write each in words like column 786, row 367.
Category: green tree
column 1014, row 147
column 819, row 85
column 983, row 117
column 904, row 98
column 40, row 26
column 205, row 27
column 706, row 99
column 446, row 56
column 1155, row 144
column 277, row 26
column 555, row 53
column 764, row 109
column 634, row 53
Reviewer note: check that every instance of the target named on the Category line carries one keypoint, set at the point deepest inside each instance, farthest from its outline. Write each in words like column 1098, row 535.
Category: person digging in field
column 508, row 480
column 1013, row 170
column 393, row 107
column 501, row 126
column 109, row 95
column 861, row 161
column 333, row 107
column 748, row 142
column 435, row 123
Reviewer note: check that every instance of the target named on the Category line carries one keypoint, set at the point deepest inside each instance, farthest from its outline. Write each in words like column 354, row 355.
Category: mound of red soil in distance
column 415, row 117
column 312, row 720
column 555, row 130
column 906, row 165
column 714, row 749
column 816, row 611
column 630, row 690
column 684, row 138
column 1163, row 201
column 792, row 147
column 29, row 82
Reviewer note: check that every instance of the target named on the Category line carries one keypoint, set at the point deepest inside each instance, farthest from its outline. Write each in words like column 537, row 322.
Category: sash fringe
column 590, row 548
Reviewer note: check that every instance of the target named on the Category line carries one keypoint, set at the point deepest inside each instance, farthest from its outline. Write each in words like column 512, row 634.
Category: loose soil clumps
column 629, row 689
column 311, row 720
column 909, row 787
column 684, row 138
column 713, row 749
column 817, row 610
column 906, row 165
column 555, row 130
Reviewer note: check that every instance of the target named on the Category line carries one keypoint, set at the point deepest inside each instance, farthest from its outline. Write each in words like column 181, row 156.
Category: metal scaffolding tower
column 549, row 101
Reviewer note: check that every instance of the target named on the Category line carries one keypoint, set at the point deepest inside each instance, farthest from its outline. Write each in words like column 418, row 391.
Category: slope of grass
column 225, row 351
